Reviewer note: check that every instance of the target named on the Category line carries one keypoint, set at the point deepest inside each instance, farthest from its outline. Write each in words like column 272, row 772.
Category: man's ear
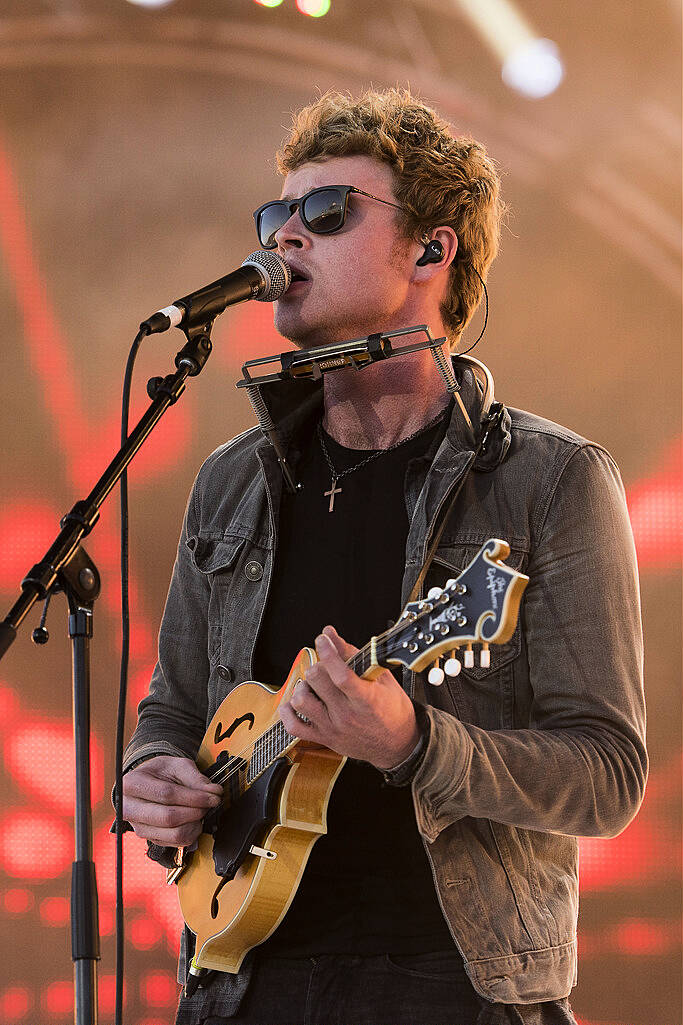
column 438, row 249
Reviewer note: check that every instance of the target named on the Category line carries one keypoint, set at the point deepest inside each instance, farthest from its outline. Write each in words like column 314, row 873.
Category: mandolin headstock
column 480, row 606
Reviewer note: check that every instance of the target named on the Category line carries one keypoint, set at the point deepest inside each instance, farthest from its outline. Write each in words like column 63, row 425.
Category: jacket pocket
column 481, row 694
column 449, row 562
column 215, row 558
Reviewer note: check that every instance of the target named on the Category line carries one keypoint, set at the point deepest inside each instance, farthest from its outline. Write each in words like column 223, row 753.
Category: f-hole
column 222, row 734
column 214, row 900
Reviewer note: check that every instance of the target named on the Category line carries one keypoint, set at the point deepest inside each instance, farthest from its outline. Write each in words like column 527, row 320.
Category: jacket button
column 225, row 673
column 253, row 570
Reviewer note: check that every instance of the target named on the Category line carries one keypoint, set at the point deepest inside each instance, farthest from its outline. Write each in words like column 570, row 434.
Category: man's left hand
column 371, row 720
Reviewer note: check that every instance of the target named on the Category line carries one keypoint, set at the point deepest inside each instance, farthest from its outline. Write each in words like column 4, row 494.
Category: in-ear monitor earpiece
column 433, row 251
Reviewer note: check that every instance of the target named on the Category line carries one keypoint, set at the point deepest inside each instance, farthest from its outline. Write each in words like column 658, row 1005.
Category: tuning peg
column 434, row 592
column 436, row 675
column 452, row 666
column 451, row 582
column 468, row 657
column 485, row 656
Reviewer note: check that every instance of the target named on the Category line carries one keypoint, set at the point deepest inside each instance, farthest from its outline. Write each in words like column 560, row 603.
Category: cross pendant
column 334, row 490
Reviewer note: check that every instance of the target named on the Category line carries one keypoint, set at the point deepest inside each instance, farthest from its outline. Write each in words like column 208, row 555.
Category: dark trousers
column 416, row 989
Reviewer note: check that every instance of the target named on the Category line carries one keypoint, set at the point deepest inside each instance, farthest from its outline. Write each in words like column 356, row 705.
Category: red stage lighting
column 18, row 901
column 144, row 933
column 58, row 998
column 159, row 989
column 39, row 755
column 15, row 1004
column 55, row 911
column 34, row 844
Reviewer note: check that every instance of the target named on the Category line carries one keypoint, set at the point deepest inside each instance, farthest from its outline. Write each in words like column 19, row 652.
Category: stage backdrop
column 134, row 144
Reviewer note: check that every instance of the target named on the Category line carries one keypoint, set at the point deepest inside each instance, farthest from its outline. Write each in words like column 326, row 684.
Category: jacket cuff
column 402, row 774
column 442, row 771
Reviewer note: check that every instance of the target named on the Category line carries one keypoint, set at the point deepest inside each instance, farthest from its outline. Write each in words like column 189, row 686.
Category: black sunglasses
column 323, row 211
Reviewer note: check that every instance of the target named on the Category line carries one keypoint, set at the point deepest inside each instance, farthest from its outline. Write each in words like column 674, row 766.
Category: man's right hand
column 166, row 798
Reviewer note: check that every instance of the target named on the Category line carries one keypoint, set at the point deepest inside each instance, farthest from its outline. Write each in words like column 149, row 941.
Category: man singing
column 445, row 891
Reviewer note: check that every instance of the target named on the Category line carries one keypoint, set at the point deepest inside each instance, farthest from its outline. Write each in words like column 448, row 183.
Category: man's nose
column 292, row 233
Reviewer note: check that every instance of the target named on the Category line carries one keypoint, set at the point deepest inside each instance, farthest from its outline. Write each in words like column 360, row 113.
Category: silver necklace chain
column 337, row 475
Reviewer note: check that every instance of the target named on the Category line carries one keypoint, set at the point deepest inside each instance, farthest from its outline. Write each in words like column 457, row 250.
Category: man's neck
column 383, row 404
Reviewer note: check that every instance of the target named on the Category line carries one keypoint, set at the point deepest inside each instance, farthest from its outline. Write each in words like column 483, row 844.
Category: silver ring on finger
column 303, row 718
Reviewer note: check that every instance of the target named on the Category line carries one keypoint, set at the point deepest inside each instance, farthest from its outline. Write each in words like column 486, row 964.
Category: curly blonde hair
column 439, row 178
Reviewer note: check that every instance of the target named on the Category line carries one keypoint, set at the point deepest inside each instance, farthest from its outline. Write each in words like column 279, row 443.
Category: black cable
column 123, row 680
column 486, row 317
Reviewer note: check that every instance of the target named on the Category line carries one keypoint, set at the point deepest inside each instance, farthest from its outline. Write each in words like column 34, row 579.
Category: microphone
column 263, row 276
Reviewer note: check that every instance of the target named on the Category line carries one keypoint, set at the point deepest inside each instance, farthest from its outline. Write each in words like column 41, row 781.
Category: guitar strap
column 491, row 422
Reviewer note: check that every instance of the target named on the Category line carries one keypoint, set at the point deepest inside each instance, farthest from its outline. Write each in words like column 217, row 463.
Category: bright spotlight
column 534, row 69
column 314, row 8
column 530, row 65
column 151, row 3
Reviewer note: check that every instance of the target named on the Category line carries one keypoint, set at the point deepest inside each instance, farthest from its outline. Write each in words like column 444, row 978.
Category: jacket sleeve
column 580, row 766
column 172, row 717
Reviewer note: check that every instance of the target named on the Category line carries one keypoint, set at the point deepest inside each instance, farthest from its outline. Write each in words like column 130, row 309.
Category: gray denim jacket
column 545, row 745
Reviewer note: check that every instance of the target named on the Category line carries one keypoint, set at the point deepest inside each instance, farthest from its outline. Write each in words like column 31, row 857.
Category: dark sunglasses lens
column 324, row 211
column 271, row 220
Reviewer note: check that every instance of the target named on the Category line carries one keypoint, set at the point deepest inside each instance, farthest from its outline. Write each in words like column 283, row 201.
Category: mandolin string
column 357, row 662
column 218, row 775
column 382, row 650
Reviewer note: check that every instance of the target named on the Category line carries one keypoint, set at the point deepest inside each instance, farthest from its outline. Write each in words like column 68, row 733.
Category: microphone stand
column 67, row 567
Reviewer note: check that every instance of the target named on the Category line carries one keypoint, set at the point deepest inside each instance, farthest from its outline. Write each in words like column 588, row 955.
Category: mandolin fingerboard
column 276, row 740
column 269, row 746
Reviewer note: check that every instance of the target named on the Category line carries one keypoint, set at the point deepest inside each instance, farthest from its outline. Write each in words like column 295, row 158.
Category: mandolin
column 236, row 884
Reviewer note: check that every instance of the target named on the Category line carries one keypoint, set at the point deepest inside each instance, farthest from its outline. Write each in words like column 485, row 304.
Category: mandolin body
column 229, row 918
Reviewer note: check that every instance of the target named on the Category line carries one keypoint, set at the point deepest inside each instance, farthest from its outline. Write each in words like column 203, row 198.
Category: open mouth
column 298, row 276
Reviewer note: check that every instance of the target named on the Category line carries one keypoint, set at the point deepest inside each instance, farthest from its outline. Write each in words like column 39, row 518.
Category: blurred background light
column 17, row 901
column 268, row 3
column 159, row 989
column 39, row 755
column 314, row 8
column 15, row 1004
column 144, row 933
column 151, row 3
column 106, row 993
column 55, row 911
column 530, row 65
column 534, row 69
column 58, row 998
column 34, row 844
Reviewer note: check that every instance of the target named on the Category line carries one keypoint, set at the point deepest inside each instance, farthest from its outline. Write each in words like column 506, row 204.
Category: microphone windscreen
column 277, row 271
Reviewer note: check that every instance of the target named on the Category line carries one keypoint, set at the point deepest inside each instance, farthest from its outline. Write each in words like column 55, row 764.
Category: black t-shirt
column 367, row 888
